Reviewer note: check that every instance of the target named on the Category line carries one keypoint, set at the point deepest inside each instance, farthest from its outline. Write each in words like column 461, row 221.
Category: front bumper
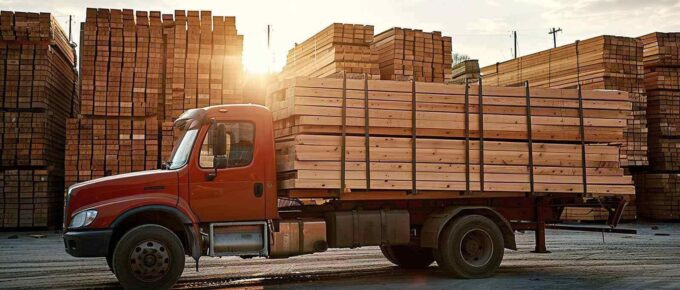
column 88, row 243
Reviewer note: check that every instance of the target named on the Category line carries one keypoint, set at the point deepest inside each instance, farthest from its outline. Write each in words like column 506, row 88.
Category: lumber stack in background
column 465, row 70
column 140, row 71
column 405, row 54
column 38, row 83
column 603, row 62
column 337, row 48
column 658, row 185
column 308, row 117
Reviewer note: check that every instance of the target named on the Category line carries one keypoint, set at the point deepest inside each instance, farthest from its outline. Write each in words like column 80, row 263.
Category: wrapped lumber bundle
column 603, row 62
column 658, row 186
column 465, row 70
column 596, row 214
column 658, row 195
column 38, row 87
column 140, row 71
column 432, row 137
column 338, row 48
column 405, row 54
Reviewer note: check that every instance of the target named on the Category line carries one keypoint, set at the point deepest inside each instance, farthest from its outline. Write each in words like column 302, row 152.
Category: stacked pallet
column 140, row 71
column 309, row 116
column 337, row 48
column 659, row 186
column 38, row 84
column 413, row 54
column 603, row 62
column 467, row 70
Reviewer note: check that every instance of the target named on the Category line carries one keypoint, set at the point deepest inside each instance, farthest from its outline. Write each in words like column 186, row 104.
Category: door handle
column 258, row 189
column 210, row 176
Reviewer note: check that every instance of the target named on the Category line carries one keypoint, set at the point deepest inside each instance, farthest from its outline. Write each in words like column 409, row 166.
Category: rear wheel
column 470, row 247
column 148, row 257
column 409, row 257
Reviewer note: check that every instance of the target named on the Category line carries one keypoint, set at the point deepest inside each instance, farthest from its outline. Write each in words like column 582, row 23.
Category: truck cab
column 217, row 196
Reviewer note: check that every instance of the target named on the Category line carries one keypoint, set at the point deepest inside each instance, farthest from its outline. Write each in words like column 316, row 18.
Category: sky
column 481, row 29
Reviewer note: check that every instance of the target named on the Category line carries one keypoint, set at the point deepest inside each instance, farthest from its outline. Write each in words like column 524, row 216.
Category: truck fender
column 436, row 222
column 189, row 227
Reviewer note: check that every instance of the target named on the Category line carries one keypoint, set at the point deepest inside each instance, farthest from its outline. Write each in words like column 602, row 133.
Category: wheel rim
column 149, row 261
column 476, row 247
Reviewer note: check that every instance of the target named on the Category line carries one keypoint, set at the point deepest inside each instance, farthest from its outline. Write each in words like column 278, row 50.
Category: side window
column 240, row 137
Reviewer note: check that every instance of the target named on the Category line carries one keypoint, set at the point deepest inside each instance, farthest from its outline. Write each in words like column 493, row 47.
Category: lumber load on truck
column 405, row 53
column 140, row 71
column 314, row 106
column 337, row 48
column 38, row 92
column 658, row 185
column 603, row 62
column 450, row 152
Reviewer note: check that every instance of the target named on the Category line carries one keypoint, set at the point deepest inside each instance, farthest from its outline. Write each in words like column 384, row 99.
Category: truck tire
column 409, row 257
column 470, row 247
column 148, row 257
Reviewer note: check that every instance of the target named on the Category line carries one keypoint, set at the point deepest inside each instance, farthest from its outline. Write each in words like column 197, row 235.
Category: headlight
column 83, row 219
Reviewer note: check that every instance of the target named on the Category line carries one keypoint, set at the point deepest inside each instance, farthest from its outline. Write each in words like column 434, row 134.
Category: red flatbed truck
column 218, row 197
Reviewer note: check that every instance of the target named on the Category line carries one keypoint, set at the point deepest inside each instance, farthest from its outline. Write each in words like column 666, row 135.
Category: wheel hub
column 476, row 247
column 149, row 261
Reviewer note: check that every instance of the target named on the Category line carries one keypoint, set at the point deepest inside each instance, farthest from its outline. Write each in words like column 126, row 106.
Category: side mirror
column 219, row 139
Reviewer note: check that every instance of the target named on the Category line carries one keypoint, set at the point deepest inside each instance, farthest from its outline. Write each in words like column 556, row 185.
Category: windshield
column 180, row 155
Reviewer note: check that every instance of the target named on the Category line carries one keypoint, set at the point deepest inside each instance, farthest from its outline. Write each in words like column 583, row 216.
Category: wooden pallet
column 405, row 53
column 603, row 62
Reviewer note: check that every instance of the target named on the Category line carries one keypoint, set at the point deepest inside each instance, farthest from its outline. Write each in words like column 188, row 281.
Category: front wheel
column 470, row 247
column 148, row 257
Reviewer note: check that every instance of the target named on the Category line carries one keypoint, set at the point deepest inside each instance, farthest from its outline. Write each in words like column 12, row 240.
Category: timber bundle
column 438, row 137
column 659, row 185
column 603, row 62
column 141, row 70
column 38, row 83
column 337, row 48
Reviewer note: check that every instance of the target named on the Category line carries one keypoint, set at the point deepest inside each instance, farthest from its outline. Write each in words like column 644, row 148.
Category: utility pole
column 554, row 32
column 514, row 36
column 70, row 20
column 269, row 48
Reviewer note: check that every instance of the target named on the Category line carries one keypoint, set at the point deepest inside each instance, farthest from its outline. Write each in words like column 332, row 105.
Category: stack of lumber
column 308, row 116
column 38, row 83
column 658, row 196
column 338, row 48
column 603, row 62
column 140, row 71
column 413, row 54
column 659, row 187
column 465, row 70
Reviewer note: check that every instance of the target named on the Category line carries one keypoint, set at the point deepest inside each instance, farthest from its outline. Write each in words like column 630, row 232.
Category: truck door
column 234, row 193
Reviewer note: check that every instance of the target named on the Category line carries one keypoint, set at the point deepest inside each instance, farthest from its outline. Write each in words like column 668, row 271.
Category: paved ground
column 650, row 259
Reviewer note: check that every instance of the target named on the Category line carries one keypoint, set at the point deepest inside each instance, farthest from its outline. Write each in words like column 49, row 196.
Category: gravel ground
column 650, row 259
